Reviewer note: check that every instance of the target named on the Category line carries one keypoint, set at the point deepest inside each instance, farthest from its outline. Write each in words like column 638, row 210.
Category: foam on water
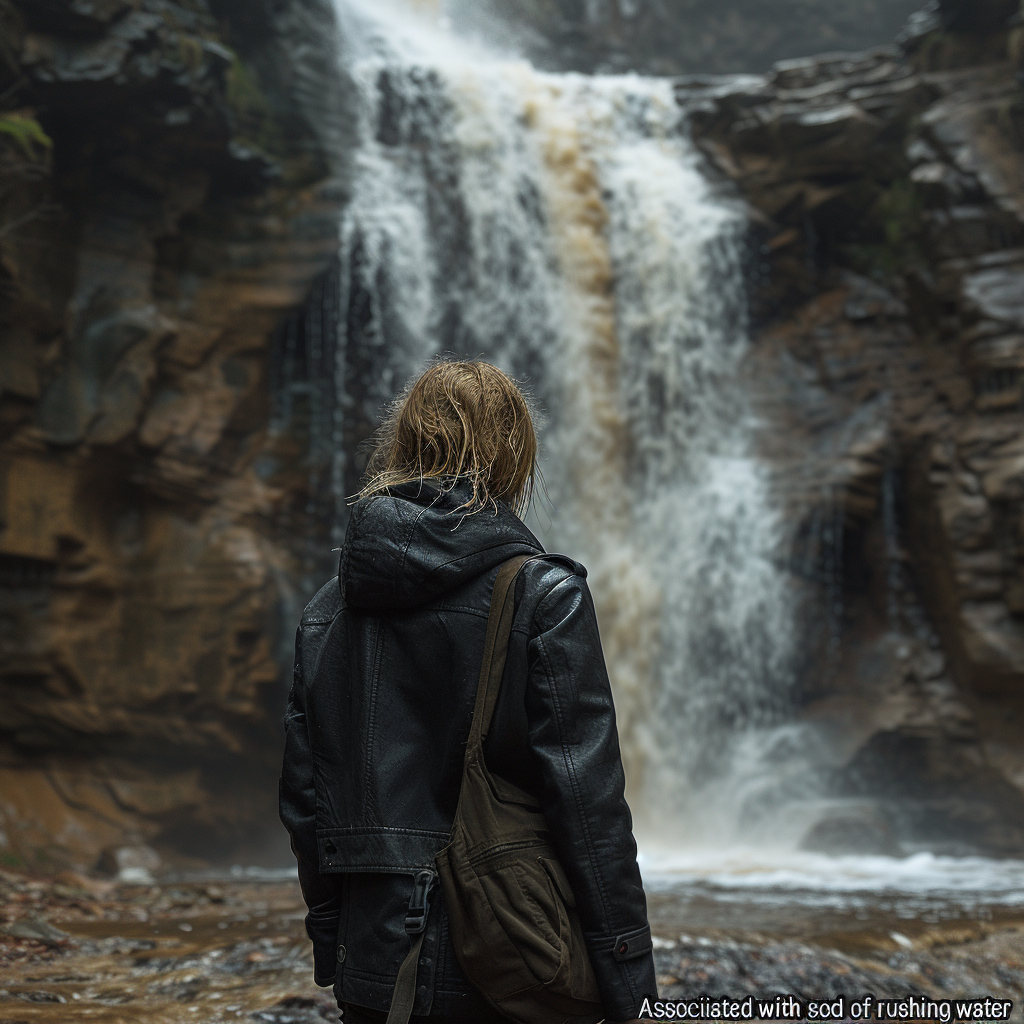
column 816, row 879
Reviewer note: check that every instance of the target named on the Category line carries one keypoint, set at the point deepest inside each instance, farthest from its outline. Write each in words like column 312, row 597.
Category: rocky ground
column 76, row 950
column 200, row 952
column 950, row 965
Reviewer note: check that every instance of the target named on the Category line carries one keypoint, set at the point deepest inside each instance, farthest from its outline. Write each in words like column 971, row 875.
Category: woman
column 386, row 664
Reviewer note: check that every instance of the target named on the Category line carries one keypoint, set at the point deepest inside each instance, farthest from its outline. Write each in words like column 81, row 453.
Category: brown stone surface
column 887, row 186
column 77, row 950
column 73, row 949
column 171, row 200
column 166, row 197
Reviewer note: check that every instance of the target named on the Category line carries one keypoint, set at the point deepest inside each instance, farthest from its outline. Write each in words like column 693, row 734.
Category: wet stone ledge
column 886, row 197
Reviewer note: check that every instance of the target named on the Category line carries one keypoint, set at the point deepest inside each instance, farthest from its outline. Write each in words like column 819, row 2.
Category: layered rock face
column 889, row 189
column 170, row 180
column 167, row 192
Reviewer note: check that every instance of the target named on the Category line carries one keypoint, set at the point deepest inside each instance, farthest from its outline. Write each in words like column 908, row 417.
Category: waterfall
column 561, row 227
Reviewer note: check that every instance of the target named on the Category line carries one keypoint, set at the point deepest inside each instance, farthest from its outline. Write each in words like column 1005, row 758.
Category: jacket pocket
column 579, row 980
column 517, row 896
column 522, row 890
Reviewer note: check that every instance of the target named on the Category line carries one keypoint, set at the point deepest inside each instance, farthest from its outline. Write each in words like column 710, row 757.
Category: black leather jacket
column 386, row 665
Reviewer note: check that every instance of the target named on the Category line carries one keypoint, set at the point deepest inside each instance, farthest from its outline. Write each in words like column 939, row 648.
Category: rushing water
column 852, row 903
column 560, row 226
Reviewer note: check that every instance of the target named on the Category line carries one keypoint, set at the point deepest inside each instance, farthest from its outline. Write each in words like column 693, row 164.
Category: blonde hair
column 464, row 420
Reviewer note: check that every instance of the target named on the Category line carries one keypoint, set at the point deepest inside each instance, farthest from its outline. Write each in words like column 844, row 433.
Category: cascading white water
column 560, row 226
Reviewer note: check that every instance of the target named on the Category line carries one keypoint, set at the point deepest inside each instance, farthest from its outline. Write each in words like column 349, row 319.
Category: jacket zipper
column 494, row 851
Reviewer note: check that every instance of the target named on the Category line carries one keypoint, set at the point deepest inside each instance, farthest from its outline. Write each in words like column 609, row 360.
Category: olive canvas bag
column 511, row 911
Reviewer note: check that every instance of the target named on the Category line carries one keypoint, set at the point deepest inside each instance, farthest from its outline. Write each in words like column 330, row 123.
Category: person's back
column 387, row 659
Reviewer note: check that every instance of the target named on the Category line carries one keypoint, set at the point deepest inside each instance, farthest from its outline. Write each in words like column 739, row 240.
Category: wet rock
column 178, row 199
column 746, row 969
column 686, row 37
column 85, row 17
column 967, row 518
column 134, row 864
column 998, row 294
column 43, row 931
column 867, row 300
column 41, row 997
column 102, row 386
column 889, row 361
column 865, row 829
column 993, row 636
column 978, row 16
column 295, row 1010
column 942, row 795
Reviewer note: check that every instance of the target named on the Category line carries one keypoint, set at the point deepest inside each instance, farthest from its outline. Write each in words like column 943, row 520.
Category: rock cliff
column 889, row 191
column 170, row 179
column 168, row 188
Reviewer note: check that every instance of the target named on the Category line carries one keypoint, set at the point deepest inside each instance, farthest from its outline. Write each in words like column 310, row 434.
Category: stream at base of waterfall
column 232, row 947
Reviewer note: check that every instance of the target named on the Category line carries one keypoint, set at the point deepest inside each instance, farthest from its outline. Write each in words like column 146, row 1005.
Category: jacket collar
column 415, row 544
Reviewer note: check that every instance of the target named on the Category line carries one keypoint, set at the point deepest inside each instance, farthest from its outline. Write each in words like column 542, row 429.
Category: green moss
column 895, row 224
column 900, row 210
column 190, row 52
column 257, row 126
column 27, row 132
column 244, row 94
column 11, row 860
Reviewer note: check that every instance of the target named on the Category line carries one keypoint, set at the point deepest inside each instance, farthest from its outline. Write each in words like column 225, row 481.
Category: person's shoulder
column 547, row 571
column 325, row 605
column 556, row 591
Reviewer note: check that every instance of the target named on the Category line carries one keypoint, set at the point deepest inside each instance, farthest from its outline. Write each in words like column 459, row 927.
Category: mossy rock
column 27, row 132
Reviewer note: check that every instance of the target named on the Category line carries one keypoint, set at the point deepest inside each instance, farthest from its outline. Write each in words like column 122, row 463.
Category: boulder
column 853, row 828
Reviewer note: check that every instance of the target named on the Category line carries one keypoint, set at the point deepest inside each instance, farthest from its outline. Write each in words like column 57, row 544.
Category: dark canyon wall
column 889, row 191
column 170, row 180
column 168, row 189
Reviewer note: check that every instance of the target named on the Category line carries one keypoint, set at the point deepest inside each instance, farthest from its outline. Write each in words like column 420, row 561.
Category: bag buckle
column 419, row 902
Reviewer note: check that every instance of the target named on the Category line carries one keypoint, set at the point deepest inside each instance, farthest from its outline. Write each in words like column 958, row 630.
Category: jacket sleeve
column 298, row 813
column 573, row 738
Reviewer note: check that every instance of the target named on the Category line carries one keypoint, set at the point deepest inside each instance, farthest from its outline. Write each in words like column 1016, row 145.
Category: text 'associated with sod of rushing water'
column 788, row 1007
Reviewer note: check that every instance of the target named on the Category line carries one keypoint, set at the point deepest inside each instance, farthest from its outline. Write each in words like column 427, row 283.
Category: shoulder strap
column 499, row 630
column 404, row 997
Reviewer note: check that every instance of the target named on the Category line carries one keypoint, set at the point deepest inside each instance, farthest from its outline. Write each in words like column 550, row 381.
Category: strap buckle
column 419, row 902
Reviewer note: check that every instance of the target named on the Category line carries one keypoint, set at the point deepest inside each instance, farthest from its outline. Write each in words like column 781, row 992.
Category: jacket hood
column 414, row 544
